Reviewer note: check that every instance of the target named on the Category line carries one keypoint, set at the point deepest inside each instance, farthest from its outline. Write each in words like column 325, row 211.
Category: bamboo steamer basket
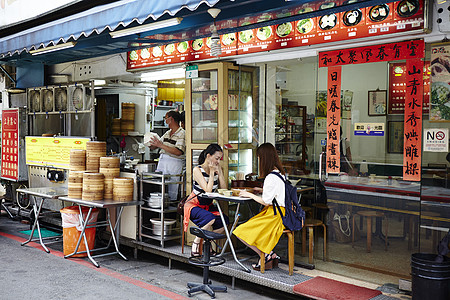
column 127, row 120
column 93, row 186
column 77, row 160
column 108, row 162
column 123, row 189
column 75, row 184
column 115, row 128
column 94, row 150
column 109, row 187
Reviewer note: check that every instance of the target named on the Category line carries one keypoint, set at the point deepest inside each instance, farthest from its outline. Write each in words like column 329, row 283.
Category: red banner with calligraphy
column 413, row 120
column 333, row 119
column 371, row 54
column 10, row 144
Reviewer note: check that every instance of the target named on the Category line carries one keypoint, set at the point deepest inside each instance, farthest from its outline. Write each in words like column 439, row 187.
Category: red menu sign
column 412, row 151
column 397, row 88
column 333, row 119
column 365, row 22
column 10, row 144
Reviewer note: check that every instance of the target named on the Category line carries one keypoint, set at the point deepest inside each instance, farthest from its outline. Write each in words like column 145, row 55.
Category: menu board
column 397, row 88
column 389, row 18
column 45, row 151
column 10, row 144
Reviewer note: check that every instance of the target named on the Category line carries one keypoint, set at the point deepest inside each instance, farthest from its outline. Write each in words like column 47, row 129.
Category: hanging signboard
column 440, row 87
column 390, row 18
column 371, row 54
column 333, row 120
column 412, row 147
column 10, row 144
column 435, row 140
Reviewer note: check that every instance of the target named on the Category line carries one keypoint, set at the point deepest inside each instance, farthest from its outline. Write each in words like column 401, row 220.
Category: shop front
column 354, row 100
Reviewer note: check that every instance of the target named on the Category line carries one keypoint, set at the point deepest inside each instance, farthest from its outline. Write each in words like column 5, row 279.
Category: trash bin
column 430, row 279
column 72, row 229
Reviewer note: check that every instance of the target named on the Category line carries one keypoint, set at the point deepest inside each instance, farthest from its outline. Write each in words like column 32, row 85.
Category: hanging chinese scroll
column 333, row 119
column 413, row 120
column 371, row 54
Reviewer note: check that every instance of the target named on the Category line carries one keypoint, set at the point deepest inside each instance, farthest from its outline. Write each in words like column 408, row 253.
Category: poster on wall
column 440, row 87
column 347, row 99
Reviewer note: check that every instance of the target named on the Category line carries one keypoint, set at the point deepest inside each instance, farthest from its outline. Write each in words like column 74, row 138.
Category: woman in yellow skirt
column 262, row 232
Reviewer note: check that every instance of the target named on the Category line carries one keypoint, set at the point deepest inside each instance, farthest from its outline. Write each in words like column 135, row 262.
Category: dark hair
column 175, row 115
column 211, row 149
column 268, row 159
column 182, row 116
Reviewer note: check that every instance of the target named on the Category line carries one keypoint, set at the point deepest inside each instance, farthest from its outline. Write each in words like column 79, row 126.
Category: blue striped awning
column 95, row 20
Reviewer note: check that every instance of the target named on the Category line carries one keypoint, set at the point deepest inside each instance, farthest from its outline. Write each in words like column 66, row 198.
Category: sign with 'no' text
column 435, row 140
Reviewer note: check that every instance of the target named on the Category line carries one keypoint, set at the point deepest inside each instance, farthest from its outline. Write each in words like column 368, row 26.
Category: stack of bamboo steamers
column 94, row 176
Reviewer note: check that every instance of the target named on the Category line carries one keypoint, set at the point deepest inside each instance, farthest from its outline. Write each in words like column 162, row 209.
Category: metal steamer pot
column 156, row 226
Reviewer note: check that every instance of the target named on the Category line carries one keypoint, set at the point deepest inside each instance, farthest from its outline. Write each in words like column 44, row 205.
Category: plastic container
column 430, row 279
column 72, row 230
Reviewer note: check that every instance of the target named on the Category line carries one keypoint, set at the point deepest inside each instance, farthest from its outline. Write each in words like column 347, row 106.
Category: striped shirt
column 198, row 190
column 177, row 140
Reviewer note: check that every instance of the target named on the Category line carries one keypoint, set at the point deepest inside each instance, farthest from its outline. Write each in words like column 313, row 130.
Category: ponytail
column 211, row 149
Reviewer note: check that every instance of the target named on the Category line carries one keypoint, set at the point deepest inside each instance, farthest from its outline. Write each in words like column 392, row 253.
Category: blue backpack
column 295, row 215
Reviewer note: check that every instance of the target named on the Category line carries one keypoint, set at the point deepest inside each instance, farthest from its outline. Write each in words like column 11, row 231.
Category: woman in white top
column 262, row 232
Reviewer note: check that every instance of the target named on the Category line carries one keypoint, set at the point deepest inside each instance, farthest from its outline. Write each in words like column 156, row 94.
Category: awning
column 94, row 20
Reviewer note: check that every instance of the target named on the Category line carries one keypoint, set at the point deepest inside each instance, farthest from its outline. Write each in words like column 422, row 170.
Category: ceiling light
column 53, row 48
column 164, row 74
column 99, row 82
column 144, row 28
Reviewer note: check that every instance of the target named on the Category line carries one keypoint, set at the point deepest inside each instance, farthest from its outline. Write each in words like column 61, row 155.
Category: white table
column 239, row 201
column 107, row 204
column 42, row 194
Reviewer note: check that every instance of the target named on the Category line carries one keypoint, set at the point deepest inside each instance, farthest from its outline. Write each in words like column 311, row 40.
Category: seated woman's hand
column 246, row 194
column 257, row 190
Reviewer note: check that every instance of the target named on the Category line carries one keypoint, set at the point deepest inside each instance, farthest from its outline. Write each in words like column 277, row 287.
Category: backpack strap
column 274, row 201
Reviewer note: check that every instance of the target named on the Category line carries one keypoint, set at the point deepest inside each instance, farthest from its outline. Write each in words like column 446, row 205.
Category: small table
column 41, row 193
column 107, row 204
column 238, row 200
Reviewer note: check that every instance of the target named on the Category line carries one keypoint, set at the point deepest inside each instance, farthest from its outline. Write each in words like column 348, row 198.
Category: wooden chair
column 310, row 224
column 290, row 235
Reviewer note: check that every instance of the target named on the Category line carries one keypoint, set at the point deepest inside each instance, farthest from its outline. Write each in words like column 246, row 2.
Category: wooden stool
column 370, row 214
column 290, row 235
column 308, row 211
column 323, row 209
column 310, row 224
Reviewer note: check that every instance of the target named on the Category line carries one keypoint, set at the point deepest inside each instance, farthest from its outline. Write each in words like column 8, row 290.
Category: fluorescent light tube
column 147, row 27
column 53, row 48
column 164, row 74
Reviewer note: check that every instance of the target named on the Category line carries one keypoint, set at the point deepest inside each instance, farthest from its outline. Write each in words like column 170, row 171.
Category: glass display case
column 290, row 137
column 221, row 107
column 205, row 107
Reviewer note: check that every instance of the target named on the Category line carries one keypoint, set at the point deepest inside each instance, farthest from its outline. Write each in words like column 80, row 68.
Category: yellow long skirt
column 263, row 230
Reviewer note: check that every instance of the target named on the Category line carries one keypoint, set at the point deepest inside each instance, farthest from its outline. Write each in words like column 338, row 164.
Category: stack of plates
column 154, row 201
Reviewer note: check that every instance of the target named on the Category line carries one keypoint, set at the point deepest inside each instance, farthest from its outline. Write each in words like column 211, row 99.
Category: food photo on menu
column 440, row 85
column 283, row 30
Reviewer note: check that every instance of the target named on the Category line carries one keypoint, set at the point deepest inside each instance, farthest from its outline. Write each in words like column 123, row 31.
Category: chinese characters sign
column 371, row 54
column 333, row 120
column 10, row 144
column 397, row 87
column 412, row 147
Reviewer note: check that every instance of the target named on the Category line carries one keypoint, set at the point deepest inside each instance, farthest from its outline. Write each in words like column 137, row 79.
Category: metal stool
column 206, row 261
